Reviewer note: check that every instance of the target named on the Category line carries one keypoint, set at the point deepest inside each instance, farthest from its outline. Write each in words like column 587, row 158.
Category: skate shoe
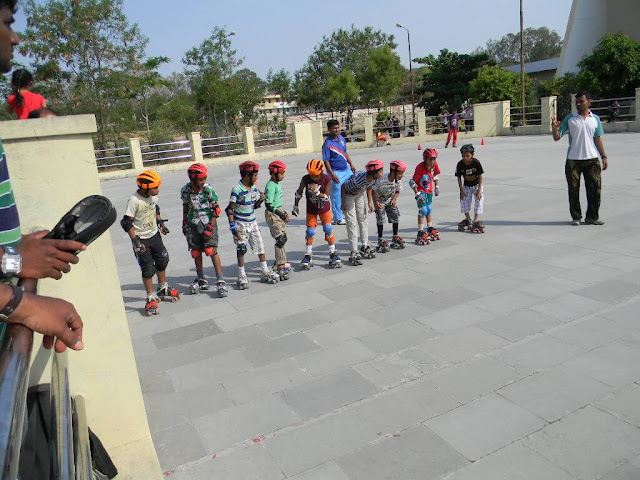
column 477, row 227
column 367, row 252
column 307, row 262
column 151, row 305
column 422, row 238
column 355, row 258
column 269, row 276
column 197, row 285
column 221, row 288
column 170, row 293
column 334, row 260
column 397, row 242
column 383, row 246
column 242, row 282
column 283, row 271
column 433, row 234
column 465, row 224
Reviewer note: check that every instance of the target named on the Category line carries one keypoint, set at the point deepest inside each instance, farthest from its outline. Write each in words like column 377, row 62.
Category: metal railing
column 532, row 115
column 606, row 109
column 280, row 138
column 353, row 132
column 222, row 146
column 69, row 430
column 118, row 158
column 169, row 152
column 395, row 131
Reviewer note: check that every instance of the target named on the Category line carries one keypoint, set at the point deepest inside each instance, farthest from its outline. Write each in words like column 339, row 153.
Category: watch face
column 11, row 262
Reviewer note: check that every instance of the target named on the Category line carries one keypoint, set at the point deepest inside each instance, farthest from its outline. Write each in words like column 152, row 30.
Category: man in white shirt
column 585, row 144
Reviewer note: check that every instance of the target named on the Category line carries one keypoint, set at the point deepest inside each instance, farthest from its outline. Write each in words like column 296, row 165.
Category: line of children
column 144, row 225
column 316, row 186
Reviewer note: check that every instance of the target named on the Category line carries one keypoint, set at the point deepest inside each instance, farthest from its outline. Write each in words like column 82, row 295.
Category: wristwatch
column 14, row 301
column 11, row 264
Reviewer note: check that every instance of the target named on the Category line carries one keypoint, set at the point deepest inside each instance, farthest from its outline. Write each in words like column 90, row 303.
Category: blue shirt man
column 338, row 165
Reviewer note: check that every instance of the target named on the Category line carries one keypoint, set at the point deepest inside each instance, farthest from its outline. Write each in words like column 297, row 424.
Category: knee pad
column 311, row 232
column 241, row 249
column 281, row 240
column 148, row 271
column 423, row 211
column 195, row 253
column 328, row 229
column 210, row 251
column 161, row 265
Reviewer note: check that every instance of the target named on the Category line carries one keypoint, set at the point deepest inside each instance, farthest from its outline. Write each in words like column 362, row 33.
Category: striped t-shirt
column 10, row 234
column 245, row 200
column 358, row 183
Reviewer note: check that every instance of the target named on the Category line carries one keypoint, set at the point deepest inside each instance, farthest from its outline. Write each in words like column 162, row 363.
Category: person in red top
column 23, row 101
column 425, row 184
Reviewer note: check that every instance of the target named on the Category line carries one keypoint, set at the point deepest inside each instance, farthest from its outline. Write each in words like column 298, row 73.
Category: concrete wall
column 589, row 21
column 491, row 119
column 52, row 166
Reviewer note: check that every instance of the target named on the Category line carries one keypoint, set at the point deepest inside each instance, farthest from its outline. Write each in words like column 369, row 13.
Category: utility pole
column 522, row 83
column 413, row 101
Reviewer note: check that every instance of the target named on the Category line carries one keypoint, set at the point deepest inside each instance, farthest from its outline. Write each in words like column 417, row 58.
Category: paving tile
column 446, row 298
column 202, row 373
column 536, row 353
column 593, row 331
column 510, row 463
column 326, row 471
column 244, row 387
column 395, row 313
column 323, row 361
column 590, row 273
column 353, row 290
column 328, row 393
column 391, row 371
column 474, row 378
column 453, row 318
column 494, row 284
column 299, row 449
column 278, row 349
column 252, row 462
column 158, row 382
column 225, row 428
column 402, row 456
column 340, row 330
column 484, row 426
column 614, row 364
column 519, row 324
column 569, row 306
column 427, row 396
column 610, row 291
column 461, row 344
column 588, row 443
column 177, row 445
column 554, row 393
column 536, row 272
column 398, row 337
column 504, row 302
column 626, row 471
column 550, row 287
column 624, row 404
column 182, row 335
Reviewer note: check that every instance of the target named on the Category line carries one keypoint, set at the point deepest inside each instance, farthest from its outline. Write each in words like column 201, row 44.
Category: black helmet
column 467, row 148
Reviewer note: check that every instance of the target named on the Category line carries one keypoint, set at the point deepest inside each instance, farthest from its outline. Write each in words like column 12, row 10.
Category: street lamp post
column 522, row 83
column 413, row 102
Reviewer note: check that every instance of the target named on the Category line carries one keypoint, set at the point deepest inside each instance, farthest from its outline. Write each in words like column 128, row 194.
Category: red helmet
column 197, row 171
column 277, row 167
column 430, row 153
column 398, row 165
column 249, row 167
column 374, row 165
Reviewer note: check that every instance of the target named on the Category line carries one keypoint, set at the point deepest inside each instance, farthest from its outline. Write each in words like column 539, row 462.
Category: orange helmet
column 277, row 167
column 315, row 167
column 197, row 170
column 148, row 179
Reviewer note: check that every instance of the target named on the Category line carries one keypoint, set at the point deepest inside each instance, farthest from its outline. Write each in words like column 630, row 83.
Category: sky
column 283, row 33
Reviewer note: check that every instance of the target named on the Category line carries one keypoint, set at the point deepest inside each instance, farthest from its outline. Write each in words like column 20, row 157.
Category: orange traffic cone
column 482, row 142
column 419, row 147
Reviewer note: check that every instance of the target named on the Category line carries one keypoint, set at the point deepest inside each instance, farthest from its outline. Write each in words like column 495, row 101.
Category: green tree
column 280, row 83
column 613, row 67
column 343, row 50
column 539, row 44
column 447, row 79
column 495, row 83
column 342, row 91
column 382, row 77
column 85, row 53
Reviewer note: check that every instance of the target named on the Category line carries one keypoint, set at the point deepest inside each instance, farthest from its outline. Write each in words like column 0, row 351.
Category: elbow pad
column 298, row 196
column 270, row 208
column 412, row 183
column 281, row 213
column 126, row 223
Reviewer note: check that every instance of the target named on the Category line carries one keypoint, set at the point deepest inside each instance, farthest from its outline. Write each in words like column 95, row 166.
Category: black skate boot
column 397, row 242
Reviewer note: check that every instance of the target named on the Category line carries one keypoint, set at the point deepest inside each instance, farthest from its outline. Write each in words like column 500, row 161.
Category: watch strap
column 14, row 301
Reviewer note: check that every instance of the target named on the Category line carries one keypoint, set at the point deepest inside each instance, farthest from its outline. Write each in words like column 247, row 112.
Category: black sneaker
column 590, row 221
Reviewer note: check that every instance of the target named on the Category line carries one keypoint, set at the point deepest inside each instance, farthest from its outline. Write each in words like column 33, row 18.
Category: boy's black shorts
column 197, row 240
column 155, row 254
